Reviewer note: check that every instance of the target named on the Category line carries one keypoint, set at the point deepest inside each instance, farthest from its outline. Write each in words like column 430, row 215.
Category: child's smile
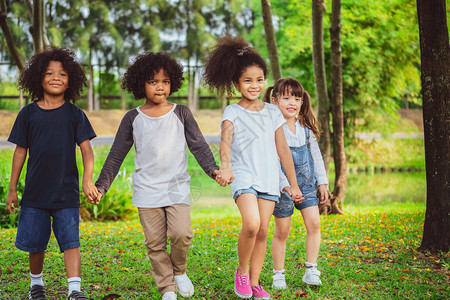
column 56, row 79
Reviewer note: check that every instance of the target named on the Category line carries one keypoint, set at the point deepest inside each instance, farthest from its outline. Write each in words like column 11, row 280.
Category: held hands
column 92, row 194
column 323, row 191
column 11, row 202
column 224, row 177
column 295, row 193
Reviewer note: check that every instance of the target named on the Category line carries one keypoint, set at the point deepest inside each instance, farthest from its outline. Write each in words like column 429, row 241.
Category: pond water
column 385, row 188
column 362, row 189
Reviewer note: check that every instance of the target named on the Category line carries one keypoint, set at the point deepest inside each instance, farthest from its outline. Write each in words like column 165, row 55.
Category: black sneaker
column 37, row 292
column 77, row 295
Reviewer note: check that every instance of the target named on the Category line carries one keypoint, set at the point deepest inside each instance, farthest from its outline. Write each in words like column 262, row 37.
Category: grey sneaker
column 184, row 285
column 312, row 277
column 279, row 281
column 169, row 296
column 77, row 295
column 37, row 292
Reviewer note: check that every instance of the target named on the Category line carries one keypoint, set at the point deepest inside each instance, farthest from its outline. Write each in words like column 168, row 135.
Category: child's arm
column 197, row 143
column 319, row 169
column 20, row 154
column 89, row 189
column 226, row 171
column 123, row 141
column 286, row 159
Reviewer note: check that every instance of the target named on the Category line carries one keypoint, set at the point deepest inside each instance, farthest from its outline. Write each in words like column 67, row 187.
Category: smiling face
column 251, row 83
column 157, row 89
column 289, row 105
column 56, row 79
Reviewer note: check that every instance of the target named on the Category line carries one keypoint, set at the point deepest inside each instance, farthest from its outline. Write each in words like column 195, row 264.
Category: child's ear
column 236, row 85
column 274, row 100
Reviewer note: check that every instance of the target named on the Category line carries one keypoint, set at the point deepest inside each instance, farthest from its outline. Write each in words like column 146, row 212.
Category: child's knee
column 313, row 226
column 181, row 234
column 281, row 233
column 251, row 228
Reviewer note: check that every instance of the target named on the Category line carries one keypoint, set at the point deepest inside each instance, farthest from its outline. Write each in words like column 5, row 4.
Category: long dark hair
column 291, row 87
column 230, row 57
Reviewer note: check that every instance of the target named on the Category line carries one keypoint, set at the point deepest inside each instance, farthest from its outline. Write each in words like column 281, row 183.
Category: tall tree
column 38, row 28
column 435, row 68
column 271, row 41
column 320, row 80
column 9, row 36
column 337, row 110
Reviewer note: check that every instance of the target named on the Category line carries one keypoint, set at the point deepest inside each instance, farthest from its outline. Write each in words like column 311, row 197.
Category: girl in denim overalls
column 301, row 134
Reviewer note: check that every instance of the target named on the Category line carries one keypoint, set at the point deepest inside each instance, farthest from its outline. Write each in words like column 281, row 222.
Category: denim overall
column 304, row 171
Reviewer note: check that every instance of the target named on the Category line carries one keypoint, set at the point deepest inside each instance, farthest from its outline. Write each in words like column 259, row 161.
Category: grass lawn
column 369, row 253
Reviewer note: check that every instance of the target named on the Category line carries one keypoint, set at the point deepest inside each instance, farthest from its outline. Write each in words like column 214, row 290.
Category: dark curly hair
column 30, row 79
column 144, row 68
column 230, row 57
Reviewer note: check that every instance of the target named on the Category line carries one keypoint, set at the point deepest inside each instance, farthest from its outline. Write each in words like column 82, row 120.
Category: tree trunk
column 435, row 68
column 271, row 40
column 320, row 80
column 91, row 85
column 9, row 37
column 38, row 25
column 337, row 110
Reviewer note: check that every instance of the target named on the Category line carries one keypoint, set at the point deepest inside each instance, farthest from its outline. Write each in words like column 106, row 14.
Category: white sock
column 278, row 271
column 74, row 284
column 36, row 279
column 310, row 265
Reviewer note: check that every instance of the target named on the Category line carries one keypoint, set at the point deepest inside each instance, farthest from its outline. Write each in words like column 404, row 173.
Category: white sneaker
column 184, row 284
column 279, row 281
column 169, row 296
column 311, row 277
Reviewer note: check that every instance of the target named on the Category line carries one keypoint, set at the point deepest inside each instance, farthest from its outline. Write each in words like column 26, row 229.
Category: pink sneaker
column 259, row 292
column 242, row 286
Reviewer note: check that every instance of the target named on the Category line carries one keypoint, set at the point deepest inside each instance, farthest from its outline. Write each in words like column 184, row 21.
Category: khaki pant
column 173, row 222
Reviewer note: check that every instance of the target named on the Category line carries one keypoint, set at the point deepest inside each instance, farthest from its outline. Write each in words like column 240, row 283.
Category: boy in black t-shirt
column 49, row 129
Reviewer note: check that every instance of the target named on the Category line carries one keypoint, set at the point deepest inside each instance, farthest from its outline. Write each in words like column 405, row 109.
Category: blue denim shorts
column 285, row 208
column 34, row 229
column 252, row 190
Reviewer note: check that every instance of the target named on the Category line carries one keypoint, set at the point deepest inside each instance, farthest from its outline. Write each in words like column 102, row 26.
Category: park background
column 370, row 251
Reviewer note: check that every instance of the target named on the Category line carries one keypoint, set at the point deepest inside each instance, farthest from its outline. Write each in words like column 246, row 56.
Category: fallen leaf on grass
column 301, row 294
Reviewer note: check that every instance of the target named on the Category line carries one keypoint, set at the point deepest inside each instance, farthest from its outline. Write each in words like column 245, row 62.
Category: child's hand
column 287, row 189
column 296, row 194
column 323, row 191
column 225, row 177
column 91, row 192
column 99, row 196
column 11, row 202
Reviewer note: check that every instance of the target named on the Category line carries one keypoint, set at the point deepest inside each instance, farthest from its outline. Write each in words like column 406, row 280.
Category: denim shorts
column 252, row 190
column 34, row 229
column 285, row 208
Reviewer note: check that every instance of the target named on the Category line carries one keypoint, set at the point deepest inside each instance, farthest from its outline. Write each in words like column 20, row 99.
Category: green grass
column 369, row 253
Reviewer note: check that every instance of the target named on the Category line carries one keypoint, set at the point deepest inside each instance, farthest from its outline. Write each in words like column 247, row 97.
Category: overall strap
column 307, row 131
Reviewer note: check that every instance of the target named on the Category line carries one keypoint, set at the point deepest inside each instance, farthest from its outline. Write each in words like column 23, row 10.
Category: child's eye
column 49, row 73
column 166, row 81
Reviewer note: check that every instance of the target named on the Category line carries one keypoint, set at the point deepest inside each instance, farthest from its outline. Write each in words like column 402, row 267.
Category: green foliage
column 8, row 220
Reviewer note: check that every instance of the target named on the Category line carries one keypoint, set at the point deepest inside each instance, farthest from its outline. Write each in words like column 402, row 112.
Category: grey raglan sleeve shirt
column 195, row 140
column 123, row 142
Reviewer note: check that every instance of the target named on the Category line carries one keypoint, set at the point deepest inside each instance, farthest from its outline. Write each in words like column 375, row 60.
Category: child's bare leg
column 280, row 236
column 259, row 252
column 72, row 261
column 311, row 217
column 36, row 260
column 248, row 207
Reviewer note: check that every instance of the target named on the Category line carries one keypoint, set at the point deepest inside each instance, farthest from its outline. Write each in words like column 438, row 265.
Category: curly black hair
column 230, row 57
column 145, row 66
column 30, row 79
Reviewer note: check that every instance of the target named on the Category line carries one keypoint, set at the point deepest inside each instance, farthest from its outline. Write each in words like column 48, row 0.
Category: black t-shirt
column 51, row 137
